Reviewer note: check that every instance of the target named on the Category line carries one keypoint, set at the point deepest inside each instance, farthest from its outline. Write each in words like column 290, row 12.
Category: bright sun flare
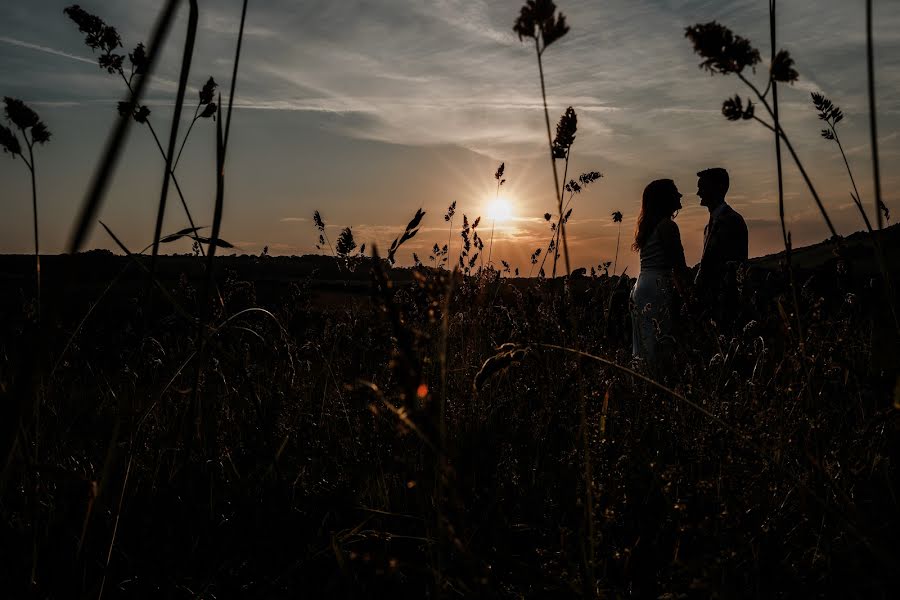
column 499, row 209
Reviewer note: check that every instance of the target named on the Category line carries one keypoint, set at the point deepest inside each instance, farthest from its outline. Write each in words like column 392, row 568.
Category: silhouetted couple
column 664, row 280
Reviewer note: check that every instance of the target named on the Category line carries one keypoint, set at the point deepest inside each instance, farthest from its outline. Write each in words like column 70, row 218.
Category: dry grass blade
column 221, row 147
column 507, row 355
column 873, row 121
column 254, row 309
column 112, row 151
column 211, row 277
column 237, row 59
column 412, row 228
column 219, row 205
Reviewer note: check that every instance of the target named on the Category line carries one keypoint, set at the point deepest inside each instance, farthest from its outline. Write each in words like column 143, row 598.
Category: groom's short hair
column 718, row 176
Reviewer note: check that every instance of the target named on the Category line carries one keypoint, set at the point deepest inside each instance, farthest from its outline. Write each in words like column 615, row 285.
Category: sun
column 499, row 209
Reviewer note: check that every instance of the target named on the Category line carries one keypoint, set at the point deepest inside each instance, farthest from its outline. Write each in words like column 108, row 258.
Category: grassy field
column 352, row 448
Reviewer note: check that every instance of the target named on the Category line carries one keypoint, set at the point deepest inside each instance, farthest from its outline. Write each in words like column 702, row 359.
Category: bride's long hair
column 658, row 203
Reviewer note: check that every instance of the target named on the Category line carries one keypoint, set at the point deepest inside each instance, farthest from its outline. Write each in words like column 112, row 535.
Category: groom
column 724, row 242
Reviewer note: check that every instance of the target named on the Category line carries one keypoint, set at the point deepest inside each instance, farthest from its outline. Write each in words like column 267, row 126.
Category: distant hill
column 857, row 249
column 96, row 266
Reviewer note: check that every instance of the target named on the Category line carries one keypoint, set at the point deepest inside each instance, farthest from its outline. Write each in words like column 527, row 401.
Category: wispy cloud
column 45, row 49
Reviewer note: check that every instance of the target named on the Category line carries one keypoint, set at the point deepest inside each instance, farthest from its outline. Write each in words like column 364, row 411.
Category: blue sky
column 367, row 111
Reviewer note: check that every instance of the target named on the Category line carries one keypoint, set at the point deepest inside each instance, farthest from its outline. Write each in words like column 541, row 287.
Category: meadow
column 340, row 426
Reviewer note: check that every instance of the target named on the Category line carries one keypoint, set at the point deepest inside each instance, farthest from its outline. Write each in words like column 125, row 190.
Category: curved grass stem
column 790, row 147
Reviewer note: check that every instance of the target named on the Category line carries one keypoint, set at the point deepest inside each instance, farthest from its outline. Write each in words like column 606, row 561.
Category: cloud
column 46, row 49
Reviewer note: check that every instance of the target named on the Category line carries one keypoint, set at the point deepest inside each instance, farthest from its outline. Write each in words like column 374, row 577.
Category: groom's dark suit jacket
column 724, row 241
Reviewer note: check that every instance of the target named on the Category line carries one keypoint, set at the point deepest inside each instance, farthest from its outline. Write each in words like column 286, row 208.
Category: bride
column 663, row 268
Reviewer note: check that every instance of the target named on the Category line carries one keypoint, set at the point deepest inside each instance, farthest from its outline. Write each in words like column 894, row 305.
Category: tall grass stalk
column 617, row 218
column 873, row 124
column 234, row 72
column 33, row 131
column 37, row 246
column 832, row 115
column 221, row 150
column 500, row 181
column 561, row 225
column 448, row 217
column 187, row 56
column 550, row 145
column 210, row 273
column 538, row 20
column 785, row 234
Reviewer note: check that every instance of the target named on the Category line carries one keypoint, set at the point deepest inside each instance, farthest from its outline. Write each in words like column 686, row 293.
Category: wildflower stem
column 858, row 197
column 221, row 147
column 786, row 236
column 450, row 237
column 764, row 124
column 187, row 211
column 618, row 239
column 562, row 208
column 790, row 148
column 491, row 244
column 333, row 253
column 537, row 49
column 493, row 222
column 37, row 251
column 879, row 250
column 187, row 55
column 211, row 279
column 186, row 136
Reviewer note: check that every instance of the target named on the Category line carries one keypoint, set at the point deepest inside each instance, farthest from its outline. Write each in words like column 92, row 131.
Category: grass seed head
column 9, row 141
column 565, row 133
column 733, row 109
column 538, row 20
column 451, row 210
column 783, row 68
column 722, row 51
column 140, row 62
column 207, row 93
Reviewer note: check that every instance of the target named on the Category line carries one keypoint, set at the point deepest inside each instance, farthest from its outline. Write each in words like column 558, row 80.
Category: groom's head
column 712, row 185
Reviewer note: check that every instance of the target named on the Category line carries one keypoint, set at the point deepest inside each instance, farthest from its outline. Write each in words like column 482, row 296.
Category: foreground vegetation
column 316, row 459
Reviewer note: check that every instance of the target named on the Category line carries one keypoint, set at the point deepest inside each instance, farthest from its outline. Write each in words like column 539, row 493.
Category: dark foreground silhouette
column 316, row 461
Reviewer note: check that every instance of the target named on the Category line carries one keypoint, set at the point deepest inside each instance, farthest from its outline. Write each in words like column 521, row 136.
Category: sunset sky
column 367, row 111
